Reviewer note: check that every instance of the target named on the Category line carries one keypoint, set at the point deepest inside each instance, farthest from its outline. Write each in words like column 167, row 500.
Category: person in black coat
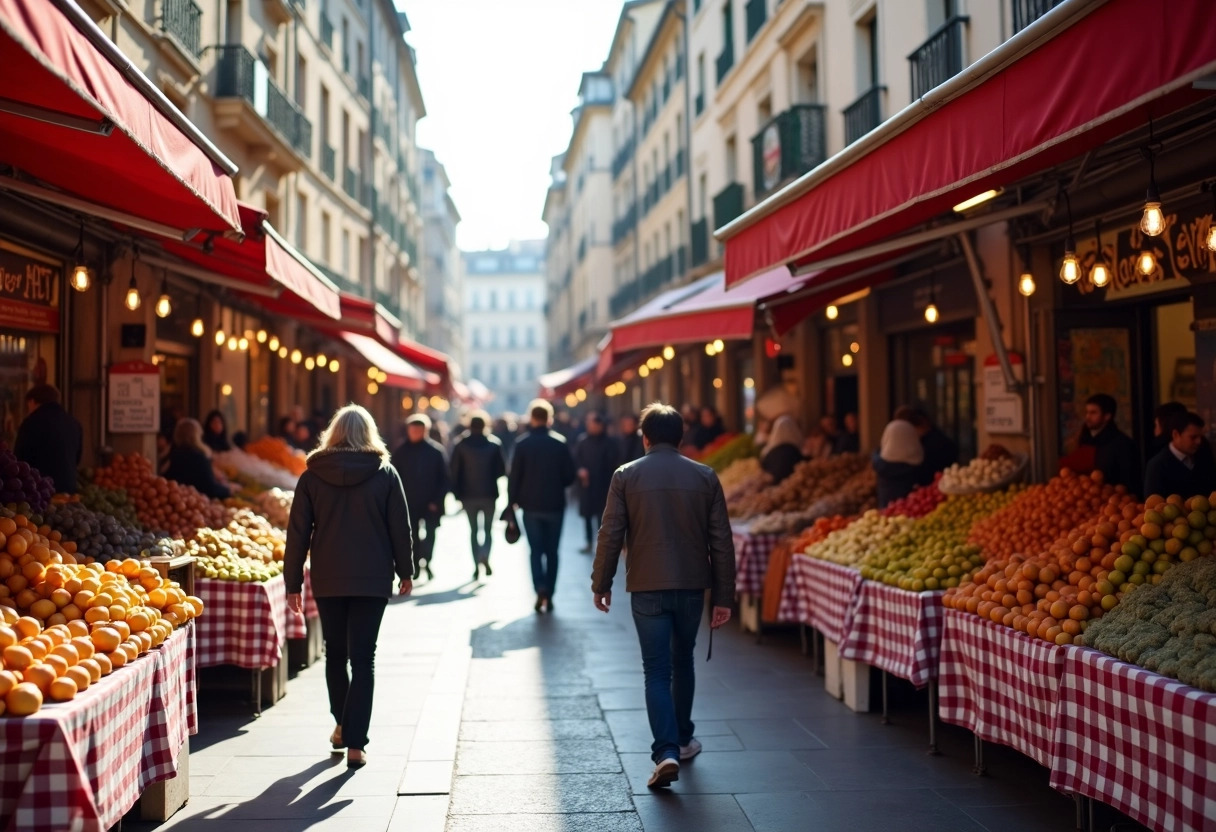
column 940, row 451
column 1183, row 466
column 595, row 456
column 477, row 464
column 215, row 432
column 630, row 441
column 190, row 461
column 847, row 441
column 423, row 468
column 708, row 428
column 541, row 471
column 783, row 452
column 1115, row 454
column 50, row 439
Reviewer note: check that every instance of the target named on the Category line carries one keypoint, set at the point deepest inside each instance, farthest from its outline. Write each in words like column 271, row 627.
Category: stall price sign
column 1003, row 412
column 134, row 405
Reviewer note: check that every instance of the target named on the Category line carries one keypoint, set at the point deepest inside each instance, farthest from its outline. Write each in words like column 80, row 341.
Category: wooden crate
column 178, row 568
column 162, row 800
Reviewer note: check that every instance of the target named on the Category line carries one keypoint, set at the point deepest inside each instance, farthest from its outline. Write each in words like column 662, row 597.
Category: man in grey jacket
column 671, row 513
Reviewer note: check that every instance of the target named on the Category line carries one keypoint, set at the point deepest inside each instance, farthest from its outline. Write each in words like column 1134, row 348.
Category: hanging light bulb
column 243, row 344
column 164, row 303
column 1152, row 221
column 832, row 312
column 282, row 352
column 372, row 372
column 296, row 356
column 580, row 394
column 658, row 363
column 382, row 377
column 1026, row 284
column 310, row 363
column 233, row 343
column 274, row 343
column 846, row 360
column 261, row 336
column 197, row 328
column 373, row 388
column 322, row 360
column 333, row 365
column 643, row 371
column 854, row 348
column 1210, row 242
column 1070, row 266
column 718, row 345
column 931, row 313
column 80, row 274
column 709, row 349
column 1146, row 263
column 132, row 300
column 226, row 390
column 1099, row 274
column 220, row 338
column 669, row 352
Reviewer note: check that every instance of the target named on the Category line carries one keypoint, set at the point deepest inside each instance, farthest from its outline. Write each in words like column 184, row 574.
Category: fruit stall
column 1050, row 618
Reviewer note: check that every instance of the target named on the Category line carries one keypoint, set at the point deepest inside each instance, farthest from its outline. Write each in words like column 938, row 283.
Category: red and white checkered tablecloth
column 1136, row 740
column 244, row 624
column 751, row 559
column 297, row 625
column 79, row 765
column 834, row 591
column 895, row 630
column 1000, row 684
column 796, row 589
column 173, row 714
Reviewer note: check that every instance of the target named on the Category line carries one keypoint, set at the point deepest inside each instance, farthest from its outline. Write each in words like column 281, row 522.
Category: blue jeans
column 667, row 623
column 544, row 531
column 480, row 513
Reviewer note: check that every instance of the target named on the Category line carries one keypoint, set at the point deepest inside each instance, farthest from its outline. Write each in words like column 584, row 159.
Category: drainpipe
column 988, row 310
column 688, row 116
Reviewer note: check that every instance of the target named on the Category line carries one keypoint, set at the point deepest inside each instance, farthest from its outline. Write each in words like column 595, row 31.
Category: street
column 491, row 717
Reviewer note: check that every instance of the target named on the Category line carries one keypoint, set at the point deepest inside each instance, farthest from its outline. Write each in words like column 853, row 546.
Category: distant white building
column 504, row 322
column 440, row 266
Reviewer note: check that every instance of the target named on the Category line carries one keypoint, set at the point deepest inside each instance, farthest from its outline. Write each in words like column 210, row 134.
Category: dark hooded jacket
column 477, row 464
column 350, row 519
column 50, row 440
column 423, row 469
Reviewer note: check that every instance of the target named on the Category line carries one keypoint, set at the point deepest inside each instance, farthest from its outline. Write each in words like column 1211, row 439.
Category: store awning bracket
column 988, row 310
column 95, row 126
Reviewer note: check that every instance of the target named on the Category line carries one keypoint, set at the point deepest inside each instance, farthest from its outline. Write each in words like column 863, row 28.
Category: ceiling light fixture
column 1070, row 266
column 164, row 303
column 977, row 200
column 832, row 312
column 1152, row 221
column 132, row 300
column 80, row 274
column 1099, row 275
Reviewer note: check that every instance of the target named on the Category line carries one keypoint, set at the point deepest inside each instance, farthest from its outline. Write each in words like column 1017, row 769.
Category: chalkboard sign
column 134, row 401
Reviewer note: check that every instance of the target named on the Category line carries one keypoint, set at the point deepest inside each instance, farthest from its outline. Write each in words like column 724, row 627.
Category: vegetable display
column 21, row 485
column 102, row 537
column 992, row 470
column 810, row 481
column 737, row 447
column 274, row 450
column 857, row 494
column 917, row 504
column 847, row 546
column 161, row 503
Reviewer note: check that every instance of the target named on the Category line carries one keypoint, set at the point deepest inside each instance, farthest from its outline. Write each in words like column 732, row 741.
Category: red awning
column 610, row 354
column 264, row 260
column 400, row 372
column 561, row 382
column 147, row 167
column 424, row 357
column 1010, row 115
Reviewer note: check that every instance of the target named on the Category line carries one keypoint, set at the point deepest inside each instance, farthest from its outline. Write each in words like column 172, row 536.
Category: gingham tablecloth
column 297, row 625
column 751, row 559
column 1000, row 684
column 834, row 590
column 1136, row 740
column 895, row 630
column 174, row 715
column 796, row 592
column 79, row 765
column 244, row 624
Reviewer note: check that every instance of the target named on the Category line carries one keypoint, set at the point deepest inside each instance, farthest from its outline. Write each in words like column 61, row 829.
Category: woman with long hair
column 190, row 461
column 215, row 432
column 349, row 516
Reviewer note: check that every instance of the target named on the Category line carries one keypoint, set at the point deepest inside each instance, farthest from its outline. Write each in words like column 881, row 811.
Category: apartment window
column 732, row 161
column 301, row 222
column 807, row 84
column 476, row 343
column 530, row 340
column 359, row 56
column 701, row 91
column 867, row 54
column 494, row 338
column 531, row 371
column 476, row 369
column 493, row 299
column 667, row 239
column 345, row 45
column 324, row 125
column 347, row 157
column 365, row 260
column 493, row 374
column 302, row 82
column 510, row 300
column 703, row 193
column 326, row 243
column 346, row 254
column 512, row 374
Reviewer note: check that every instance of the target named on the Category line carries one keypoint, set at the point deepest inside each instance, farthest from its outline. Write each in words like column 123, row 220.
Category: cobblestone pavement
column 490, row 717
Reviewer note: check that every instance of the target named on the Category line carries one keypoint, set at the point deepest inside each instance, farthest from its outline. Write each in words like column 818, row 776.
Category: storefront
column 31, row 286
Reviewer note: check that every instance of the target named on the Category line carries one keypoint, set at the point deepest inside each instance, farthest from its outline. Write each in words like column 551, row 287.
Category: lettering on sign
column 134, row 400
column 1003, row 411
column 29, row 290
column 1181, row 252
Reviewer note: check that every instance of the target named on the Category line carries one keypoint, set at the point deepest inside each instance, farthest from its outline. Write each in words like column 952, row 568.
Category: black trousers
column 424, row 547
column 350, row 625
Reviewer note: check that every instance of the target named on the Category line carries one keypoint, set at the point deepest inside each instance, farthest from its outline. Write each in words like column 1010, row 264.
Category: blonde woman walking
column 350, row 515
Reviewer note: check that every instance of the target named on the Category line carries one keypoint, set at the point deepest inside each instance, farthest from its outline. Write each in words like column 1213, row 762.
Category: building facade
column 504, row 320
column 440, row 261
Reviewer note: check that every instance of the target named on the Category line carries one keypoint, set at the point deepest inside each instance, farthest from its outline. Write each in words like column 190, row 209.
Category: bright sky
column 499, row 78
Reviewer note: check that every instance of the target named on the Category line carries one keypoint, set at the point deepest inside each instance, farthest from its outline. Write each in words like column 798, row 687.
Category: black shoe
column 476, row 572
column 486, row 566
column 548, row 603
column 430, row 576
column 417, row 570
column 540, row 603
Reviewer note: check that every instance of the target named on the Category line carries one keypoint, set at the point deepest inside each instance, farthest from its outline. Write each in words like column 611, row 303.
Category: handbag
column 512, row 533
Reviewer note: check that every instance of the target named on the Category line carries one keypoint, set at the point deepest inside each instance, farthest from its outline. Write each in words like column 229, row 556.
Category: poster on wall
column 134, row 400
column 1003, row 411
column 1092, row 361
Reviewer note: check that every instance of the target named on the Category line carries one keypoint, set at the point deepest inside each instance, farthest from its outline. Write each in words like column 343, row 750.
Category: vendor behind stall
column 899, row 461
column 784, row 449
column 1183, row 467
column 215, row 432
column 50, row 438
column 190, row 461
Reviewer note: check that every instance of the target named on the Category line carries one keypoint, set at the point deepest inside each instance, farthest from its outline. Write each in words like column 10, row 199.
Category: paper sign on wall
column 1003, row 411
column 134, row 401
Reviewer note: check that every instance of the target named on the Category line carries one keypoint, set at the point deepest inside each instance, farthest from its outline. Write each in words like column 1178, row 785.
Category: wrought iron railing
column 863, row 115
column 757, row 13
column 728, row 204
column 365, row 87
column 184, row 20
column 940, row 58
column 329, row 161
column 789, row 145
column 699, row 104
column 1026, row 12
column 699, row 248
column 350, row 183
column 726, row 60
column 237, row 77
column 621, row 160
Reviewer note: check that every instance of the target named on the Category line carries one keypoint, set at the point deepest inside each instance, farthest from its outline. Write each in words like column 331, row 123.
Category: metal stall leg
column 816, row 652
column 1085, row 813
column 885, row 716
column 978, row 769
column 802, row 638
column 933, row 750
column 257, row 693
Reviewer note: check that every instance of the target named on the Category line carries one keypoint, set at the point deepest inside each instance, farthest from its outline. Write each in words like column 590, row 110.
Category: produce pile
column 741, row 478
column 275, row 505
column 247, row 549
column 1041, row 515
column 1052, row 595
column 858, row 494
column 161, row 503
column 700, row 454
column 253, row 473
column 21, row 485
column 737, row 447
column 114, row 502
column 995, row 468
column 819, row 530
column 847, row 546
column 277, row 452
column 917, row 504
column 1169, row 628
column 102, row 537
column 811, row 480
column 66, row 625
column 933, row 553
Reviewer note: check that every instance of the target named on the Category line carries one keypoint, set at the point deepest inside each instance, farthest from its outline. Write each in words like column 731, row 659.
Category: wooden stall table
column 1000, row 684
column 83, row 764
column 1136, row 740
column 246, row 625
column 751, row 562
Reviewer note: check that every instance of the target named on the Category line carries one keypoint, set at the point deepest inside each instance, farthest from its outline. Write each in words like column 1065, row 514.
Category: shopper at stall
column 830, row 428
column 940, row 450
column 423, row 469
column 303, row 436
column 215, row 432
column 898, row 462
column 709, row 427
column 1115, row 454
column 629, row 443
column 477, row 463
column 350, row 519
column 848, row 441
column 287, row 430
column 1163, row 417
column 671, row 513
column 595, row 457
column 49, row 438
column 540, row 473
column 816, row 445
column 190, row 461
column 1183, row 466
column 784, row 449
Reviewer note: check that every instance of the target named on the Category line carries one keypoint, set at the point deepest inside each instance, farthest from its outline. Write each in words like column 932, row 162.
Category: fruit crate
column 178, row 568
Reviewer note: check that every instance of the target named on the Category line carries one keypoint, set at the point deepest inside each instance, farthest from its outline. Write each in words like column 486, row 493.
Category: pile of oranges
column 819, row 530
column 276, row 451
column 161, row 504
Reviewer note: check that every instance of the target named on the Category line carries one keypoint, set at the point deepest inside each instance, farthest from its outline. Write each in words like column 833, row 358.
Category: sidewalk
column 544, row 719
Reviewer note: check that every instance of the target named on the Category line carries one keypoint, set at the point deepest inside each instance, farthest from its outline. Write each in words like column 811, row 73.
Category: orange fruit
column 138, row 621
column 41, row 675
column 61, row 597
column 84, row 647
column 24, row 699
column 63, row 690
column 59, row 663
column 43, row 609
column 68, row 652
column 106, row 639
column 81, row 676
column 17, row 545
column 8, row 636
column 78, row 629
column 8, row 680
column 103, row 661
column 94, row 615
column 117, row 657
column 93, row 667
column 123, row 628
column 27, row 627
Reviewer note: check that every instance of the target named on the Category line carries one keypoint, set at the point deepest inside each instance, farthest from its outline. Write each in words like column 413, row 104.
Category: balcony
column 327, row 32
column 350, row 183
column 657, row 276
column 625, row 299
column 679, row 66
column 698, row 104
column 757, row 13
column 622, row 159
column 249, row 102
column 728, row 204
column 365, row 87
column 329, row 161
column 939, row 58
column 623, row 227
column 184, row 21
column 699, row 249
column 1026, row 12
column 667, row 178
column 582, row 249
column 863, row 115
column 726, row 60
column 680, row 157
column 788, row 146
column 681, row 261
column 666, row 89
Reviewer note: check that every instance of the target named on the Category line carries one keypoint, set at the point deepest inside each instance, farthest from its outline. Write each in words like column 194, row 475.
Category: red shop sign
column 29, row 290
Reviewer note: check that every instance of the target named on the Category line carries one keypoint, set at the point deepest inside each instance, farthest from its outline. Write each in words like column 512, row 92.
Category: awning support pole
column 1012, row 385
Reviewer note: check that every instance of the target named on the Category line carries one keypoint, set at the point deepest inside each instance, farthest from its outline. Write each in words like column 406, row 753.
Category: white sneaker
column 687, row 752
column 665, row 773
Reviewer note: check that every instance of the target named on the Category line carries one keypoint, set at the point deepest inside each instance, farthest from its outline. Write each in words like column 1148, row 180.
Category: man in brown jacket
column 671, row 513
